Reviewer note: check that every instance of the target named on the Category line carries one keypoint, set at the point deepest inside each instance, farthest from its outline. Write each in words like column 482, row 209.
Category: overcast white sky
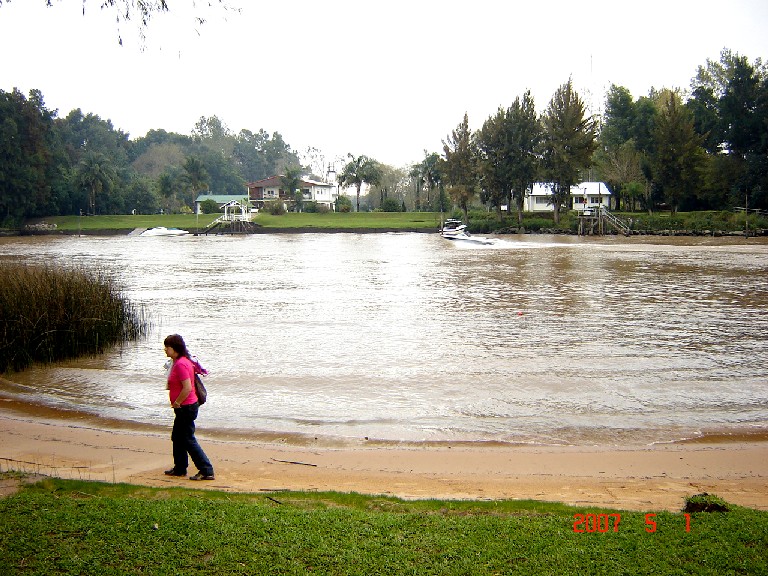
column 386, row 79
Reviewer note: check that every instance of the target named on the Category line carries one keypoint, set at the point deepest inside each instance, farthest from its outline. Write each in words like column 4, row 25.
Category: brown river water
column 406, row 337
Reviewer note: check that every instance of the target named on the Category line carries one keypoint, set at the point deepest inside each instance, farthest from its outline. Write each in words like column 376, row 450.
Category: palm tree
column 431, row 175
column 95, row 172
column 359, row 170
column 195, row 177
column 416, row 177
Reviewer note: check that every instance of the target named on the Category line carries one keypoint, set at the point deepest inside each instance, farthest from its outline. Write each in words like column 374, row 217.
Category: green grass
column 191, row 222
column 695, row 222
column 73, row 527
column 480, row 221
column 128, row 222
column 361, row 220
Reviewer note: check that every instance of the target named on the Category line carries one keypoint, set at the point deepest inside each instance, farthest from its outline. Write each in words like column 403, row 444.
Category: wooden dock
column 598, row 220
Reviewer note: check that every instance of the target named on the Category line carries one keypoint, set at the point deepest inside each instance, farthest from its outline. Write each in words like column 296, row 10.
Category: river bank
column 311, row 230
column 662, row 224
column 651, row 478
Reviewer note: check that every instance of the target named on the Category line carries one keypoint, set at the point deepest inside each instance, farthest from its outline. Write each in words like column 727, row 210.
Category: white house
column 586, row 195
column 320, row 192
column 273, row 189
column 590, row 195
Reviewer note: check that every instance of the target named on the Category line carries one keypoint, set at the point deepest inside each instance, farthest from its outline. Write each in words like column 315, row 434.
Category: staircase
column 212, row 226
column 615, row 221
column 228, row 224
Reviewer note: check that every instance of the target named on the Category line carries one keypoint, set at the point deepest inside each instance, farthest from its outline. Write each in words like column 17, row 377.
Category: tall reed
column 49, row 314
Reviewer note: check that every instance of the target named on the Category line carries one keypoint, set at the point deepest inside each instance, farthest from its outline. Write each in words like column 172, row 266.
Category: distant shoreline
column 704, row 224
column 371, row 230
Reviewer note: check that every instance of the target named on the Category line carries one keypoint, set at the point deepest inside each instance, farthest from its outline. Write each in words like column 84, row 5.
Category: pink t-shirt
column 181, row 370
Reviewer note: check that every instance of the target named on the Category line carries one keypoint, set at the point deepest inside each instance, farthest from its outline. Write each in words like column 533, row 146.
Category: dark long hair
column 176, row 342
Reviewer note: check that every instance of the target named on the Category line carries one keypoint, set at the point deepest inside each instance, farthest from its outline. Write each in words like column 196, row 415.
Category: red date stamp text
column 590, row 523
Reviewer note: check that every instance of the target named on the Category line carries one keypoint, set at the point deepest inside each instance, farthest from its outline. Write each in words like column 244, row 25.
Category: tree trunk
column 358, row 197
column 648, row 199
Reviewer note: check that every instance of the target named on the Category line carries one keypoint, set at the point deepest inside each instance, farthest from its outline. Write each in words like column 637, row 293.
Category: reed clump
column 49, row 314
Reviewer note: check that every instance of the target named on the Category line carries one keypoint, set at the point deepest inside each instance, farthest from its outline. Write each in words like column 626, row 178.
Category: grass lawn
column 191, row 222
column 482, row 222
column 73, row 527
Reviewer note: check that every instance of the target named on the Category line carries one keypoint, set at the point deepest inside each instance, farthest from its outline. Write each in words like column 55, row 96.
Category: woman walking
column 181, row 391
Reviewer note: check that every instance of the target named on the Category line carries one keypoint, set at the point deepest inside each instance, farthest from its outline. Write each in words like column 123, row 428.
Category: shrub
column 391, row 205
column 705, row 503
column 49, row 314
column 536, row 224
column 209, row 206
column 275, row 207
column 343, row 204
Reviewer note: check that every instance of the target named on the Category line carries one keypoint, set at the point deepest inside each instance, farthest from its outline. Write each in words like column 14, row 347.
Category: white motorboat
column 453, row 229
column 456, row 230
column 163, row 231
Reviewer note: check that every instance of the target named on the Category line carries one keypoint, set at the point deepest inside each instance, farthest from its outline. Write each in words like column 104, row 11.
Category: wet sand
column 651, row 478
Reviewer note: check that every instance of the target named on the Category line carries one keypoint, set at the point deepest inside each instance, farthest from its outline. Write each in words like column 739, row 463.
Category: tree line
column 703, row 149
column 706, row 149
column 82, row 164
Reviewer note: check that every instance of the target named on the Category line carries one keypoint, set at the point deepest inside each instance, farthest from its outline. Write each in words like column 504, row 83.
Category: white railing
column 615, row 221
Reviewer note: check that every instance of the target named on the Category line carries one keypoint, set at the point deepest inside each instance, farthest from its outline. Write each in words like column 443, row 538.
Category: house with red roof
column 273, row 189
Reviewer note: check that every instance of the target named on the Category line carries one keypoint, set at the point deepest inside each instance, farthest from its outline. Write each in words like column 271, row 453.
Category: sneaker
column 201, row 476
column 174, row 472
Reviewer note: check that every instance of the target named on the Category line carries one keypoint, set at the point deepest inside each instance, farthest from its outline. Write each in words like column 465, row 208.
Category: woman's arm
column 186, row 388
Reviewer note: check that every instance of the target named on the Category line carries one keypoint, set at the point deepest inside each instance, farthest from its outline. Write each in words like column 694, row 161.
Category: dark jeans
column 184, row 441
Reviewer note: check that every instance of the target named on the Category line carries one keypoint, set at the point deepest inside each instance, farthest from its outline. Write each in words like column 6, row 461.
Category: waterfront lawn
column 360, row 220
column 128, row 221
column 192, row 222
column 73, row 527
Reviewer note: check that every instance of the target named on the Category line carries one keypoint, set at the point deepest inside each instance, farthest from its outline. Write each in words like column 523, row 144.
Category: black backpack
column 202, row 393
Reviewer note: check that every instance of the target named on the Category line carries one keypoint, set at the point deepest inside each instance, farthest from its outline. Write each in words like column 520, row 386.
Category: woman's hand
column 186, row 389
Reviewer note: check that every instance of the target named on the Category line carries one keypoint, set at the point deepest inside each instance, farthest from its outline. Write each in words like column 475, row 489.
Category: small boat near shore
column 163, row 231
column 456, row 230
column 453, row 229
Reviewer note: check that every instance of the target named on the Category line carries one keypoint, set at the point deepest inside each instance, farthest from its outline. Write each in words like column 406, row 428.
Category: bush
column 49, row 314
column 275, row 207
column 209, row 207
column 391, row 205
column 343, row 204
column 536, row 224
column 705, row 503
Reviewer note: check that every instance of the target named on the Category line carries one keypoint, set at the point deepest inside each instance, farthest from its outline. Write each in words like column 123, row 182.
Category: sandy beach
column 649, row 478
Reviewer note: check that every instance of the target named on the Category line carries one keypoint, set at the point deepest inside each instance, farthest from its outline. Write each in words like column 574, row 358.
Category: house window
column 540, row 200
